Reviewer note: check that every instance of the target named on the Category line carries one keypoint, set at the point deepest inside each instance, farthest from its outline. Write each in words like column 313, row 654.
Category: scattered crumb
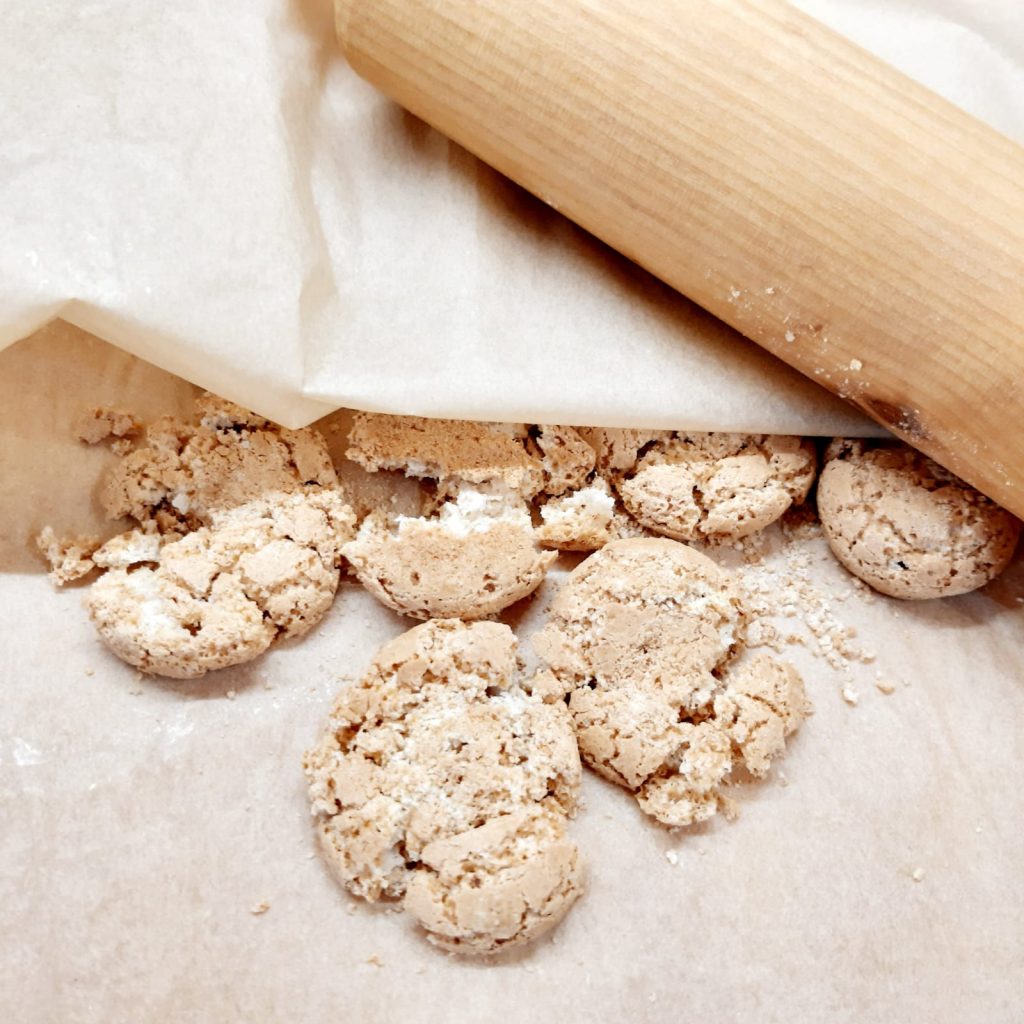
column 350, row 908
column 884, row 686
column 98, row 424
column 783, row 779
column 672, row 857
column 90, row 672
column 375, row 960
column 791, row 590
column 259, row 908
column 231, row 694
column 856, row 364
column 69, row 557
column 769, row 291
column 850, row 695
column 790, row 336
column 122, row 446
column 917, row 874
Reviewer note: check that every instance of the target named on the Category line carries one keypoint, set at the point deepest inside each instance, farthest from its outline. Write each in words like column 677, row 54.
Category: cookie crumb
column 790, row 336
column 259, row 908
column 231, row 694
column 856, row 364
column 374, row 960
column 672, row 857
column 99, row 424
column 884, row 686
column 917, row 874
column 851, row 696
column 90, row 672
column 69, row 558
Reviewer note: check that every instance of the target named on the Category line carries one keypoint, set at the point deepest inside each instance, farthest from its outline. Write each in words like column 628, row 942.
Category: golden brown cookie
column 186, row 471
column 907, row 527
column 640, row 640
column 222, row 594
column 441, row 783
column 478, row 555
column 718, row 485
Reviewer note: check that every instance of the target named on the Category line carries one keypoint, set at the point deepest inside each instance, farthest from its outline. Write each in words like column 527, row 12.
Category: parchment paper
column 144, row 821
column 208, row 186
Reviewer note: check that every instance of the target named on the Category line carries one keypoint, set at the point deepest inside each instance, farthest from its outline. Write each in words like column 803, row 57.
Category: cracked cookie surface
column 907, row 527
column 717, row 485
column 221, row 594
column 440, row 782
column 186, row 471
column 641, row 641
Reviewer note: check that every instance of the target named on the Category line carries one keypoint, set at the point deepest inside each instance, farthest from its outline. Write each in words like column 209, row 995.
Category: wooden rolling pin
column 828, row 207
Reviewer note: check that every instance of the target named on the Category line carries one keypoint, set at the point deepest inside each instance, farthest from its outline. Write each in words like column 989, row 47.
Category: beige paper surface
column 208, row 186
column 144, row 820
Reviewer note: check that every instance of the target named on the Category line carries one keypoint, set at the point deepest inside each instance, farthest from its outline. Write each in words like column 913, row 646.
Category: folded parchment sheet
column 259, row 221
column 211, row 188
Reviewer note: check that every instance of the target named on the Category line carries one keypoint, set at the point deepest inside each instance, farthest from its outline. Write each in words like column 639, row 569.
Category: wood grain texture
column 847, row 219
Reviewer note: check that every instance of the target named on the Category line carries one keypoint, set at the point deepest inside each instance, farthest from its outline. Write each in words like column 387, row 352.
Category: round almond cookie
column 718, row 485
column 907, row 527
column 441, row 783
column 222, row 594
column 478, row 555
column 641, row 640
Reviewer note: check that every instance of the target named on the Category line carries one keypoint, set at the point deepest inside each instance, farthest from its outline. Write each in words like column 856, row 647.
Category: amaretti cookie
column 441, row 783
column 907, row 527
column 641, row 641
column 692, row 486
column 220, row 595
column 520, row 459
column 476, row 556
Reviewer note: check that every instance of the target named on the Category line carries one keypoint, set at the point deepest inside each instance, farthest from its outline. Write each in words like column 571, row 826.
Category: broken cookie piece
column 222, row 594
column 579, row 521
column 456, row 451
column 641, row 642
column 441, row 783
column 907, row 527
column 99, row 424
column 69, row 558
column 566, row 459
column 617, row 449
column 186, row 471
column 718, row 485
column 478, row 555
